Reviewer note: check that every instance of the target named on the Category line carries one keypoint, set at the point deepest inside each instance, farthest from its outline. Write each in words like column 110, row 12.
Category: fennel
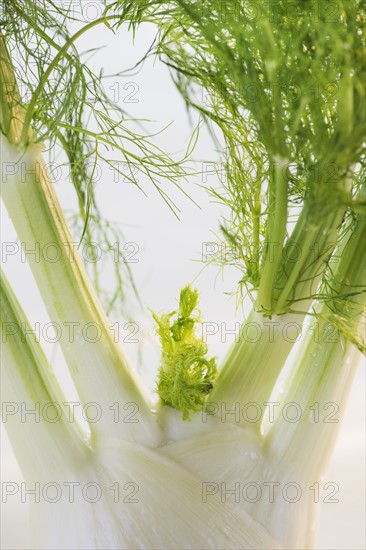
column 294, row 181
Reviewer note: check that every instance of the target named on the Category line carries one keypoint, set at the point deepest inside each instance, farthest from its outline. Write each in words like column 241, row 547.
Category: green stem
column 276, row 232
column 256, row 210
column 11, row 110
column 292, row 278
column 314, row 241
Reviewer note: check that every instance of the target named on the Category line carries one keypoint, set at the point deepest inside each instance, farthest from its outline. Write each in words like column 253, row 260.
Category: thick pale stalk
column 35, row 419
column 252, row 367
column 99, row 369
column 310, row 409
column 302, row 439
column 325, row 359
column 321, row 391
